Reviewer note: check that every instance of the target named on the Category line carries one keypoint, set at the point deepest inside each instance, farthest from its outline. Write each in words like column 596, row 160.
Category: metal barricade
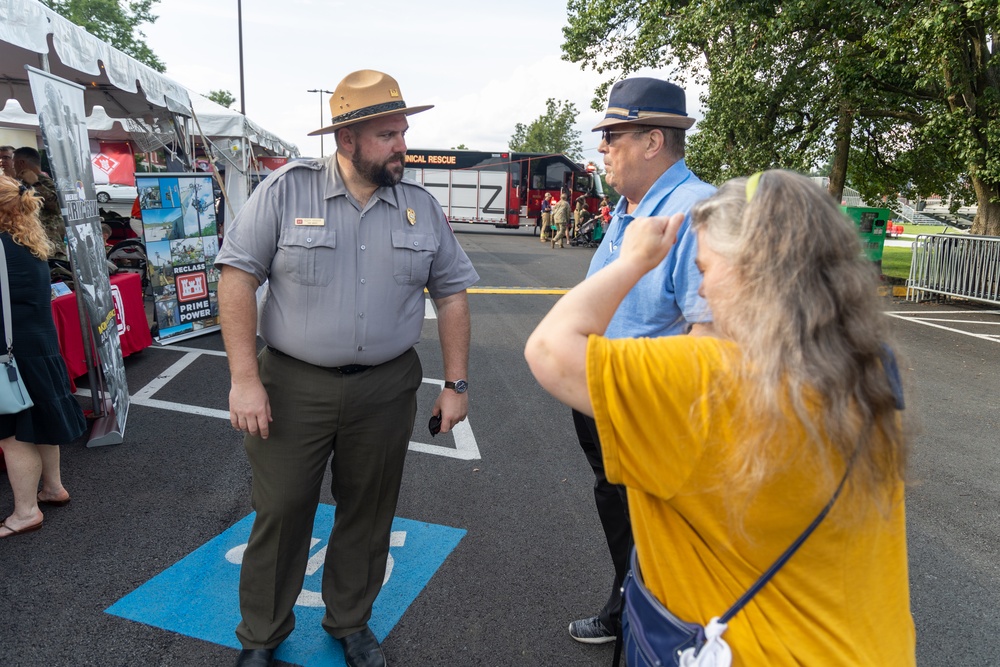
column 955, row 265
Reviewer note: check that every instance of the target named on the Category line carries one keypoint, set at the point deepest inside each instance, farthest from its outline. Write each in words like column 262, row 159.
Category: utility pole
column 321, row 93
column 239, row 20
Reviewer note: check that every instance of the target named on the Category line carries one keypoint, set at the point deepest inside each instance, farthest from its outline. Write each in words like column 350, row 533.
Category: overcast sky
column 485, row 65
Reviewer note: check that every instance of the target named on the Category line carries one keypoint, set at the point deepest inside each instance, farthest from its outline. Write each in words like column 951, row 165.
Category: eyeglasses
column 606, row 135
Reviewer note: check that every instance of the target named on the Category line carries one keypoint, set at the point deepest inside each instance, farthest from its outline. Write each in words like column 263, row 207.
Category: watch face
column 461, row 386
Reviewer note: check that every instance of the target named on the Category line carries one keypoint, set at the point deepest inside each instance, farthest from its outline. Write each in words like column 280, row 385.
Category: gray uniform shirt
column 345, row 283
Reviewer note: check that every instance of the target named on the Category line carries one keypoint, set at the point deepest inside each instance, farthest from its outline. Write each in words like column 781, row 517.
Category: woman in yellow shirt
column 730, row 445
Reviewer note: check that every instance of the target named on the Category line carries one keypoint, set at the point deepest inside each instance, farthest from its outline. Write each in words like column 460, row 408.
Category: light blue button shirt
column 665, row 301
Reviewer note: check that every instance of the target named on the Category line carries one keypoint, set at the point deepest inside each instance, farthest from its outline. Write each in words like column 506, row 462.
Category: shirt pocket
column 309, row 259
column 412, row 255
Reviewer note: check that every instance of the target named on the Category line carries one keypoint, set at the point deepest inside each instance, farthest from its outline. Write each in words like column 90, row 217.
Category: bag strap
column 771, row 571
column 790, row 551
column 5, row 286
column 891, row 369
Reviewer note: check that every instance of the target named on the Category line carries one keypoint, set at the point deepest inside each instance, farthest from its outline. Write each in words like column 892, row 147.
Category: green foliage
column 897, row 96
column 114, row 22
column 222, row 97
column 460, row 147
column 552, row 132
column 609, row 191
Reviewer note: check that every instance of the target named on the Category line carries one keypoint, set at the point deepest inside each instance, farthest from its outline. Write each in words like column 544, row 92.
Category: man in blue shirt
column 643, row 147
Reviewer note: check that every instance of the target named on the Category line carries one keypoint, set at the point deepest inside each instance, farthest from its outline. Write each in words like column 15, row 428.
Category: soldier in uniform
column 546, row 208
column 560, row 219
column 28, row 166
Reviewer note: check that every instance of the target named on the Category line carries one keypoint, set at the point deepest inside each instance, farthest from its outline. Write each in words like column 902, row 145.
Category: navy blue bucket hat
column 646, row 101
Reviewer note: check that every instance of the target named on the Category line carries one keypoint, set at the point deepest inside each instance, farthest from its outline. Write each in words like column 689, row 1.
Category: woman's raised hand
column 648, row 240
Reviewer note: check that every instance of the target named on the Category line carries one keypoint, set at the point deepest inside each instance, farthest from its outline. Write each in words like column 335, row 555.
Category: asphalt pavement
column 126, row 573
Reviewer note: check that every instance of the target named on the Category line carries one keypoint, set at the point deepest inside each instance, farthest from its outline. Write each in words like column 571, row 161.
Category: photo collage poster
column 181, row 236
column 63, row 124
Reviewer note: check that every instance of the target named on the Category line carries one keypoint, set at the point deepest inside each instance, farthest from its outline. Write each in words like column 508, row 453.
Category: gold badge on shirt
column 411, row 216
column 310, row 222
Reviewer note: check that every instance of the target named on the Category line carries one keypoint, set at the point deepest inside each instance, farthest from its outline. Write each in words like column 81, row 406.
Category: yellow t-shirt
column 668, row 434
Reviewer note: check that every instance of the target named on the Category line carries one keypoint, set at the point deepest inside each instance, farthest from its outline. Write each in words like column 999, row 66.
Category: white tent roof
column 111, row 78
column 217, row 122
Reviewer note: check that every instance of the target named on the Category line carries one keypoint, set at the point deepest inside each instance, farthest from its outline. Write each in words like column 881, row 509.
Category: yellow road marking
column 517, row 290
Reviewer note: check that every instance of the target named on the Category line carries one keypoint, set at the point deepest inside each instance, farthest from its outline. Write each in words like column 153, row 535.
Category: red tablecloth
column 126, row 288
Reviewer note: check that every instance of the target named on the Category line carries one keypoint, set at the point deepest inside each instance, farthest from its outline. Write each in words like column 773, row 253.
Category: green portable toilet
column 871, row 223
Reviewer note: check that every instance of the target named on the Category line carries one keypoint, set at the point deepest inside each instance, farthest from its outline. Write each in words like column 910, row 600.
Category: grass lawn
column 924, row 229
column 896, row 261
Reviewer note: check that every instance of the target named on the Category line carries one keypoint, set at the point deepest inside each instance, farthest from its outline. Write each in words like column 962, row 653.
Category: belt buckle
column 351, row 369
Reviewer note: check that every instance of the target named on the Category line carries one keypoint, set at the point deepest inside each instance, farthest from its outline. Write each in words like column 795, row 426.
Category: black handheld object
column 434, row 425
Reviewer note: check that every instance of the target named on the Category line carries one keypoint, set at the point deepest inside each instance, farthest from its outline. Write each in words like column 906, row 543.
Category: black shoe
column 255, row 657
column 590, row 631
column 361, row 649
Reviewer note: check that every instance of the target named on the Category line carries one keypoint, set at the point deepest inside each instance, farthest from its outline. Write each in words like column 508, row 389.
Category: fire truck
column 504, row 189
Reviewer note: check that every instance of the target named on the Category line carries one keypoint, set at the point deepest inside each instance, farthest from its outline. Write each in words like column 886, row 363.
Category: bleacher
column 934, row 212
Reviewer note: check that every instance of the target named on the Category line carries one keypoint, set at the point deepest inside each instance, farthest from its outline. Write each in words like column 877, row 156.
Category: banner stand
column 62, row 120
column 104, row 430
column 163, row 342
column 181, row 234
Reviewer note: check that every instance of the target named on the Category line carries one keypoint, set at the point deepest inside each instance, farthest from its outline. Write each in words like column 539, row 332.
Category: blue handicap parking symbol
column 198, row 595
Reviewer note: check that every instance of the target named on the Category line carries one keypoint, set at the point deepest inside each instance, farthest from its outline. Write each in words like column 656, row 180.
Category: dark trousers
column 365, row 421
column 612, row 508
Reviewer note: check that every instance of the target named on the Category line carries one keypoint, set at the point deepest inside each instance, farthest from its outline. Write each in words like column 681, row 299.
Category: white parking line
column 921, row 318
column 198, row 350
column 942, row 312
column 934, row 319
column 465, row 448
column 166, row 376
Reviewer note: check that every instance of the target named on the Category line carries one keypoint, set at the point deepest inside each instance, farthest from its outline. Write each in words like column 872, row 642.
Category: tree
column 949, row 49
column 460, row 147
column 222, row 97
column 114, row 22
column 898, row 95
column 609, row 191
column 552, row 132
column 766, row 104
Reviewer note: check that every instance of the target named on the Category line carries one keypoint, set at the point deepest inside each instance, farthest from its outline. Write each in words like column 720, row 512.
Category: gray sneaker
column 590, row 631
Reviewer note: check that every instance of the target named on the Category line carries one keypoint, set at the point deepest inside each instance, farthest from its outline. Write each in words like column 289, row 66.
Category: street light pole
column 239, row 21
column 321, row 92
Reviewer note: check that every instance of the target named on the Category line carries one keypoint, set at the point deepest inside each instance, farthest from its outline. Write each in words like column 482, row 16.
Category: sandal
column 54, row 503
column 29, row 529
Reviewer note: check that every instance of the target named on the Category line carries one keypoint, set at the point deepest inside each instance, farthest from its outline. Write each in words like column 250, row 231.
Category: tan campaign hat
column 364, row 95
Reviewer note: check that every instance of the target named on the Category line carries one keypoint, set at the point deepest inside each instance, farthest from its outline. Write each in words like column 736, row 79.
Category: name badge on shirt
column 310, row 222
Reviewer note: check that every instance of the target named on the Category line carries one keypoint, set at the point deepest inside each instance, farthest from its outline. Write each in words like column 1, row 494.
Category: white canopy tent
column 32, row 34
column 226, row 134
column 122, row 96
column 220, row 125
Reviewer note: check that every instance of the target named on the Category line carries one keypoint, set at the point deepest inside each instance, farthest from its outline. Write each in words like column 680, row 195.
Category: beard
column 383, row 174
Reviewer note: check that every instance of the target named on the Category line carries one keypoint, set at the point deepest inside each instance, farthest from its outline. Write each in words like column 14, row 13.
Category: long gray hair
column 804, row 312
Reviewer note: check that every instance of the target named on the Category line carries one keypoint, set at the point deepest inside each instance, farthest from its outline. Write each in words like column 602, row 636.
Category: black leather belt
column 349, row 369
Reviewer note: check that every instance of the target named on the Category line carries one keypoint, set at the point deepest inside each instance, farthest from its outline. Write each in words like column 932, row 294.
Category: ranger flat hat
column 646, row 101
column 364, row 95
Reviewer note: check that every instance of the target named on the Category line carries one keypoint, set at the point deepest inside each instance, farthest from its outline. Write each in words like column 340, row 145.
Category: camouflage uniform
column 560, row 218
column 50, row 214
